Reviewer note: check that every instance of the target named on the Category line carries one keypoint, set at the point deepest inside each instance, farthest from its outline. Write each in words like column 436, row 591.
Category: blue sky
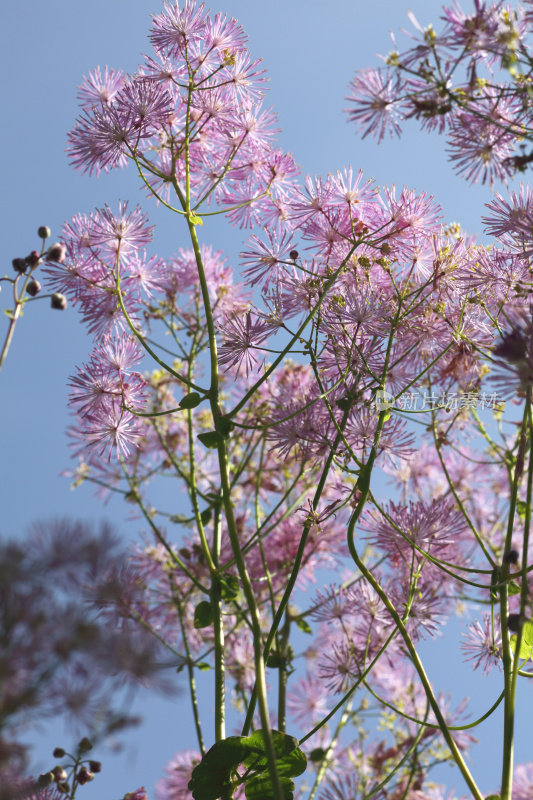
column 311, row 49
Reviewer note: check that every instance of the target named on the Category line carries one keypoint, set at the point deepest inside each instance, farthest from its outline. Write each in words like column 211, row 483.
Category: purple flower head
column 225, row 35
column 523, row 782
column 97, row 90
column 122, row 232
column 512, row 220
column 483, row 644
column 176, row 28
column 264, row 260
column 307, row 701
column 145, row 104
column 110, row 429
column 100, row 139
column 482, row 141
column 179, row 770
column 241, row 334
column 514, row 358
column 433, row 528
column 377, row 108
column 477, row 32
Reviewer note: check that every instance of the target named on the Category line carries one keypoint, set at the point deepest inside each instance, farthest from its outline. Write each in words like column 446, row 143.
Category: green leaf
column 212, row 776
column 260, row 787
column 190, row 400
column 229, row 587
column 303, row 625
column 211, row 439
column 203, row 665
column 285, row 748
column 203, row 614
column 526, row 644
column 513, row 588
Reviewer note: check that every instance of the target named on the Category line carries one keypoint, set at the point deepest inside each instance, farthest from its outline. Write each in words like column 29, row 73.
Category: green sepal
column 526, row 644
column 303, row 625
column 363, row 481
column 224, row 426
column 494, row 581
column 274, row 660
column 206, row 515
column 203, row 614
column 521, row 507
column 344, row 403
column 229, row 587
column 190, row 400
column 211, row 439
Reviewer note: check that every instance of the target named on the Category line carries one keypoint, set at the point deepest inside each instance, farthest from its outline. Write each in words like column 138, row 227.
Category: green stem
column 216, row 602
column 192, row 680
column 417, row 663
column 295, row 570
column 510, row 664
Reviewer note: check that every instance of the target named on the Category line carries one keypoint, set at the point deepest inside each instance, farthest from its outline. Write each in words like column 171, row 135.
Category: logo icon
column 384, row 400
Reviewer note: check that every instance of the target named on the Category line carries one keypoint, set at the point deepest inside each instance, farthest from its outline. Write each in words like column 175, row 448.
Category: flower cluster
column 471, row 81
column 265, row 398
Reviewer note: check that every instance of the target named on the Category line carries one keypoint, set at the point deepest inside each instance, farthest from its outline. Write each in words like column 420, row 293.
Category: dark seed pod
column 58, row 301
column 19, row 264
column 33, row 288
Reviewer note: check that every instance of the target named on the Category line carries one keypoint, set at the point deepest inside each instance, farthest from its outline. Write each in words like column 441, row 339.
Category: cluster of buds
column 26, row 267
column 81, row 771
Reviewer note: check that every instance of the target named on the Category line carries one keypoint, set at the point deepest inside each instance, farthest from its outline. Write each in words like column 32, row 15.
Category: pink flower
column 378, row 108
column 483, row 644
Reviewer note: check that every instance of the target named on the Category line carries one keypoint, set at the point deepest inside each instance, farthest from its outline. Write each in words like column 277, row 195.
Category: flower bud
column 58, row 752
column 514, row 622
column 46, row 778
column 294, row 254
column 84, row 776
column 19, row 264
column 60, row 774
column 56, row 252
column 59, row 301
column 318, row 754
column 511, row 557
column 85, row 744
column 33, row 260
column 95, row 766
column 33, row 288
column 44, row 232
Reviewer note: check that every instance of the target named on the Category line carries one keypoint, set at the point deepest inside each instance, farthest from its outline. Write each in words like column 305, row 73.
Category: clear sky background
column 311, row 49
